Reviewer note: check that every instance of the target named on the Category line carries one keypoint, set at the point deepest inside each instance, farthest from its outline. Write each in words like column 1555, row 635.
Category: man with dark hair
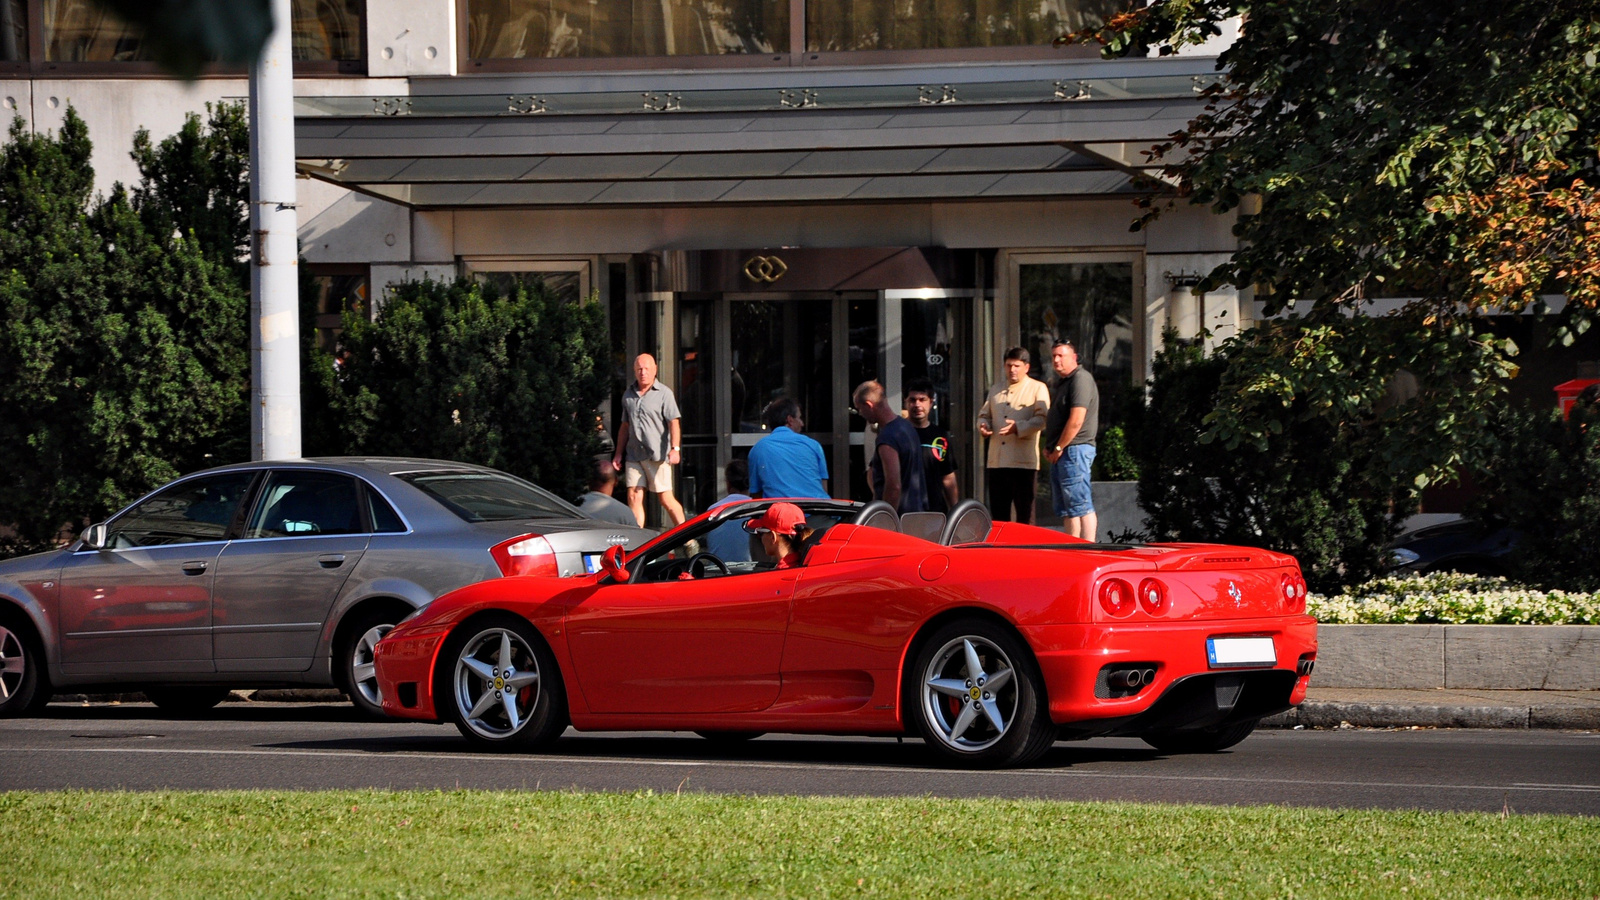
column 895, row 467
column 786, row 463
column 729, row 542
column 600, row 503
column 1074, row 422
column 938, row 459
column 1011, row 419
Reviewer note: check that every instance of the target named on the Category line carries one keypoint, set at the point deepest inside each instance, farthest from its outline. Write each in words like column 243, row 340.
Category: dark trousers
column 1012, row 489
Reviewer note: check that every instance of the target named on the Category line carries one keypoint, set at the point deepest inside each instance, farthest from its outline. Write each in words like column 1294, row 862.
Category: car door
column 142, row 604
column 276, row 584
column 711, row 645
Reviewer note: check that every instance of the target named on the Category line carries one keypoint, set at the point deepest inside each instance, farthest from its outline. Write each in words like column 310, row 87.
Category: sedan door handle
column 196, row 567
column 331, row 560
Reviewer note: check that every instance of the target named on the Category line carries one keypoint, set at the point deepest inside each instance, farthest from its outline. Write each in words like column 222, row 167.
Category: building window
column 336, row 290
column 1089, row 302
column 578, row 29
column 13, row 31
column 568, row 279
column 946, row 24
column 80, row 31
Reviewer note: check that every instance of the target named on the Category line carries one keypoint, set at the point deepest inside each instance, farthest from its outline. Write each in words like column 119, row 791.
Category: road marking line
column 734, row 764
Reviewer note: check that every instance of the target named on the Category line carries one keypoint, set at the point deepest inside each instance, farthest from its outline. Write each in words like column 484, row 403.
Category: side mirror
column 95, row 536
column 613, row 564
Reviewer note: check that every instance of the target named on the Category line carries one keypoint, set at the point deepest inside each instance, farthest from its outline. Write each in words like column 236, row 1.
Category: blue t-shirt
column 902, row 436
column 729, row 541
column 785, row 464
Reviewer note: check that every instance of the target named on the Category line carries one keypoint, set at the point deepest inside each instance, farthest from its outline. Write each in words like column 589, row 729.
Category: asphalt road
column 284, row 746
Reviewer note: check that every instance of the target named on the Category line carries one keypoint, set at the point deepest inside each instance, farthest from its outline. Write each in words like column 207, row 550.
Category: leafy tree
column 460, row 371
column 122, row 352
column 1443, row 151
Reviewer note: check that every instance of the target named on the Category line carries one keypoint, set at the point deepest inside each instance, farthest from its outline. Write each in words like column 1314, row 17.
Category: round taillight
column 1153, row 596
column 1116, row 597
column 1294, row 593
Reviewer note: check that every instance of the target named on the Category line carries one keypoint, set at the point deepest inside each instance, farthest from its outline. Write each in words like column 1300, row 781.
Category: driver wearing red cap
column 782, row 528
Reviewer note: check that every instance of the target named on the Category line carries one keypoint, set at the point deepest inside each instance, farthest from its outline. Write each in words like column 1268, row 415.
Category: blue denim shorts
column 1070, row 490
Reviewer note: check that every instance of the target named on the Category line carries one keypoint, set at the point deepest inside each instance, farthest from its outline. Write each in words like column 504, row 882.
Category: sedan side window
column 384, row 519
column 303, row 504
column 200, row 509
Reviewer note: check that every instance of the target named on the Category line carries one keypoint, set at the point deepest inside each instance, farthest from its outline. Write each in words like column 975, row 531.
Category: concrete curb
column 1332, row 714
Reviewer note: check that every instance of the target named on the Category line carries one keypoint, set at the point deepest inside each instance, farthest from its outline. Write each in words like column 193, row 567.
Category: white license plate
column 591, row 562
column 1222, row 652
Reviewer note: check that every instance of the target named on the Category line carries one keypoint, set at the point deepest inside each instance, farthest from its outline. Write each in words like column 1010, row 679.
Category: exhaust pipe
column 1126, row 678
column 1149, row 676
column 1305, row 667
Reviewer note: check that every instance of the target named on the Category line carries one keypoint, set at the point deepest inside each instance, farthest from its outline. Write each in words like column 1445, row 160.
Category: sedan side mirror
column 612, row 560
column 95, row 536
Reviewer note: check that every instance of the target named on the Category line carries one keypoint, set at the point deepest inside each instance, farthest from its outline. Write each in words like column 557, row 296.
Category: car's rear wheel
column 500, row 685
column 1202, row 740
column 976, row 696
column 186, row 701
column 24, row 684
column 357, row 673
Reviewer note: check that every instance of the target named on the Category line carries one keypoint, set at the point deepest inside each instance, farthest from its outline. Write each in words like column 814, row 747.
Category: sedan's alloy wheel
column 496, row 683
column 969, row 694
column 13, row 663
column 363, row 671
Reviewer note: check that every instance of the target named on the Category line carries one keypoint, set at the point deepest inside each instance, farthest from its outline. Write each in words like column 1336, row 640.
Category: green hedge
column 1452, row 598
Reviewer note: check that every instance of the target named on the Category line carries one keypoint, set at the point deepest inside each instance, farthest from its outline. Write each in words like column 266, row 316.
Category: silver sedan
column 273, row 574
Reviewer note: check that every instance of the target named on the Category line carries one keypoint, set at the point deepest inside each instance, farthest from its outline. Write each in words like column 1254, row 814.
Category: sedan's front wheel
column 498, row 682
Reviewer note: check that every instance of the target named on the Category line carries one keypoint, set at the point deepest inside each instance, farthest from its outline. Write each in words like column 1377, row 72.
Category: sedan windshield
column 490, row 497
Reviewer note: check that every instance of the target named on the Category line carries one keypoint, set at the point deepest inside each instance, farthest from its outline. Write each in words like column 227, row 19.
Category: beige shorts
column 653, row 476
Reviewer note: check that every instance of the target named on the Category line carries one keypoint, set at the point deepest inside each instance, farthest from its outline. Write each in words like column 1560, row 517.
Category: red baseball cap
column 780, row 518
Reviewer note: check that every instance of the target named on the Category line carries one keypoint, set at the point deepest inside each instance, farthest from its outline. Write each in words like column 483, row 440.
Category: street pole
column 274, row 264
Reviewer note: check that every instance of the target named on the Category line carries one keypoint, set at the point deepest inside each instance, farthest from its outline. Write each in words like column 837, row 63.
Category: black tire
column 352, row 659
column 24, row 680
column 730, row 737
column 1019, row 703
column 459, row 687
column 1202, row 740
column 186, row 702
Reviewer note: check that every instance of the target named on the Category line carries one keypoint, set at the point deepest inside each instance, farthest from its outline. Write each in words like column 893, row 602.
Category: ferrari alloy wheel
column 358, row 672
column 24, row 688
column 504, row 687
column 979, row 698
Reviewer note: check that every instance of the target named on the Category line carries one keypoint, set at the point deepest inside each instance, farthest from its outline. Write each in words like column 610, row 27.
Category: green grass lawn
column 482, row 844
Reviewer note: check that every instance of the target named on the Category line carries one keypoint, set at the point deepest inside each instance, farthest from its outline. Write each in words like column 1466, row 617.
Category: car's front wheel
column 977, row 698
column 498, row 682
column 24, row 685
column 358, row 673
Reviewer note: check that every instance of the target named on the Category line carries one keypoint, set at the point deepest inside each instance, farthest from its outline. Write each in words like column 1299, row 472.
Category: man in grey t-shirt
column 650, row 439
column 1071, row 427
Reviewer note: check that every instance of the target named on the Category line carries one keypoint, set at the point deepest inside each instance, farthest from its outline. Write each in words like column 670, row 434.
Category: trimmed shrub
column 457, row 370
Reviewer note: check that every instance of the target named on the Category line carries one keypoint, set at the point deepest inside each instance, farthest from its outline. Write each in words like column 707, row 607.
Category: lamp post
column 274, row 264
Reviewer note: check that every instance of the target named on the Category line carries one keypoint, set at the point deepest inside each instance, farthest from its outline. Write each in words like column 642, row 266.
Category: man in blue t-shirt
column 895, row 469
column 786, row 463
column 729, row 541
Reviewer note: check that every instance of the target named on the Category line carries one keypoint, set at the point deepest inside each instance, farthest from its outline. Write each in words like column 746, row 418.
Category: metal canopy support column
column 274, row 270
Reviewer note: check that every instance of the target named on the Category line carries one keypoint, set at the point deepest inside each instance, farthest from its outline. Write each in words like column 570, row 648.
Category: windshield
column 490, row 497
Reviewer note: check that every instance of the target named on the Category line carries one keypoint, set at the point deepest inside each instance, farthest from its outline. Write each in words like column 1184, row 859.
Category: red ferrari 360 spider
column 989, row 641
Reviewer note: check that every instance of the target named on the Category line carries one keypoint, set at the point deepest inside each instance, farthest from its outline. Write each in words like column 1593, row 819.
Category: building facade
column 772, row 196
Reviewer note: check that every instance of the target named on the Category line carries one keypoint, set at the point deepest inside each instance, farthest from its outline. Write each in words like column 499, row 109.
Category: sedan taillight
column 528, row 554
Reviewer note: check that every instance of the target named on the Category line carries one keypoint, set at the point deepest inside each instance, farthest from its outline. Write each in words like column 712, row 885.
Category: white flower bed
column 1451, row 598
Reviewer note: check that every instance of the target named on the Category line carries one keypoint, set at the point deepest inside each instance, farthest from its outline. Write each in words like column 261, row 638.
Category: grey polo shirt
column 649, row 417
